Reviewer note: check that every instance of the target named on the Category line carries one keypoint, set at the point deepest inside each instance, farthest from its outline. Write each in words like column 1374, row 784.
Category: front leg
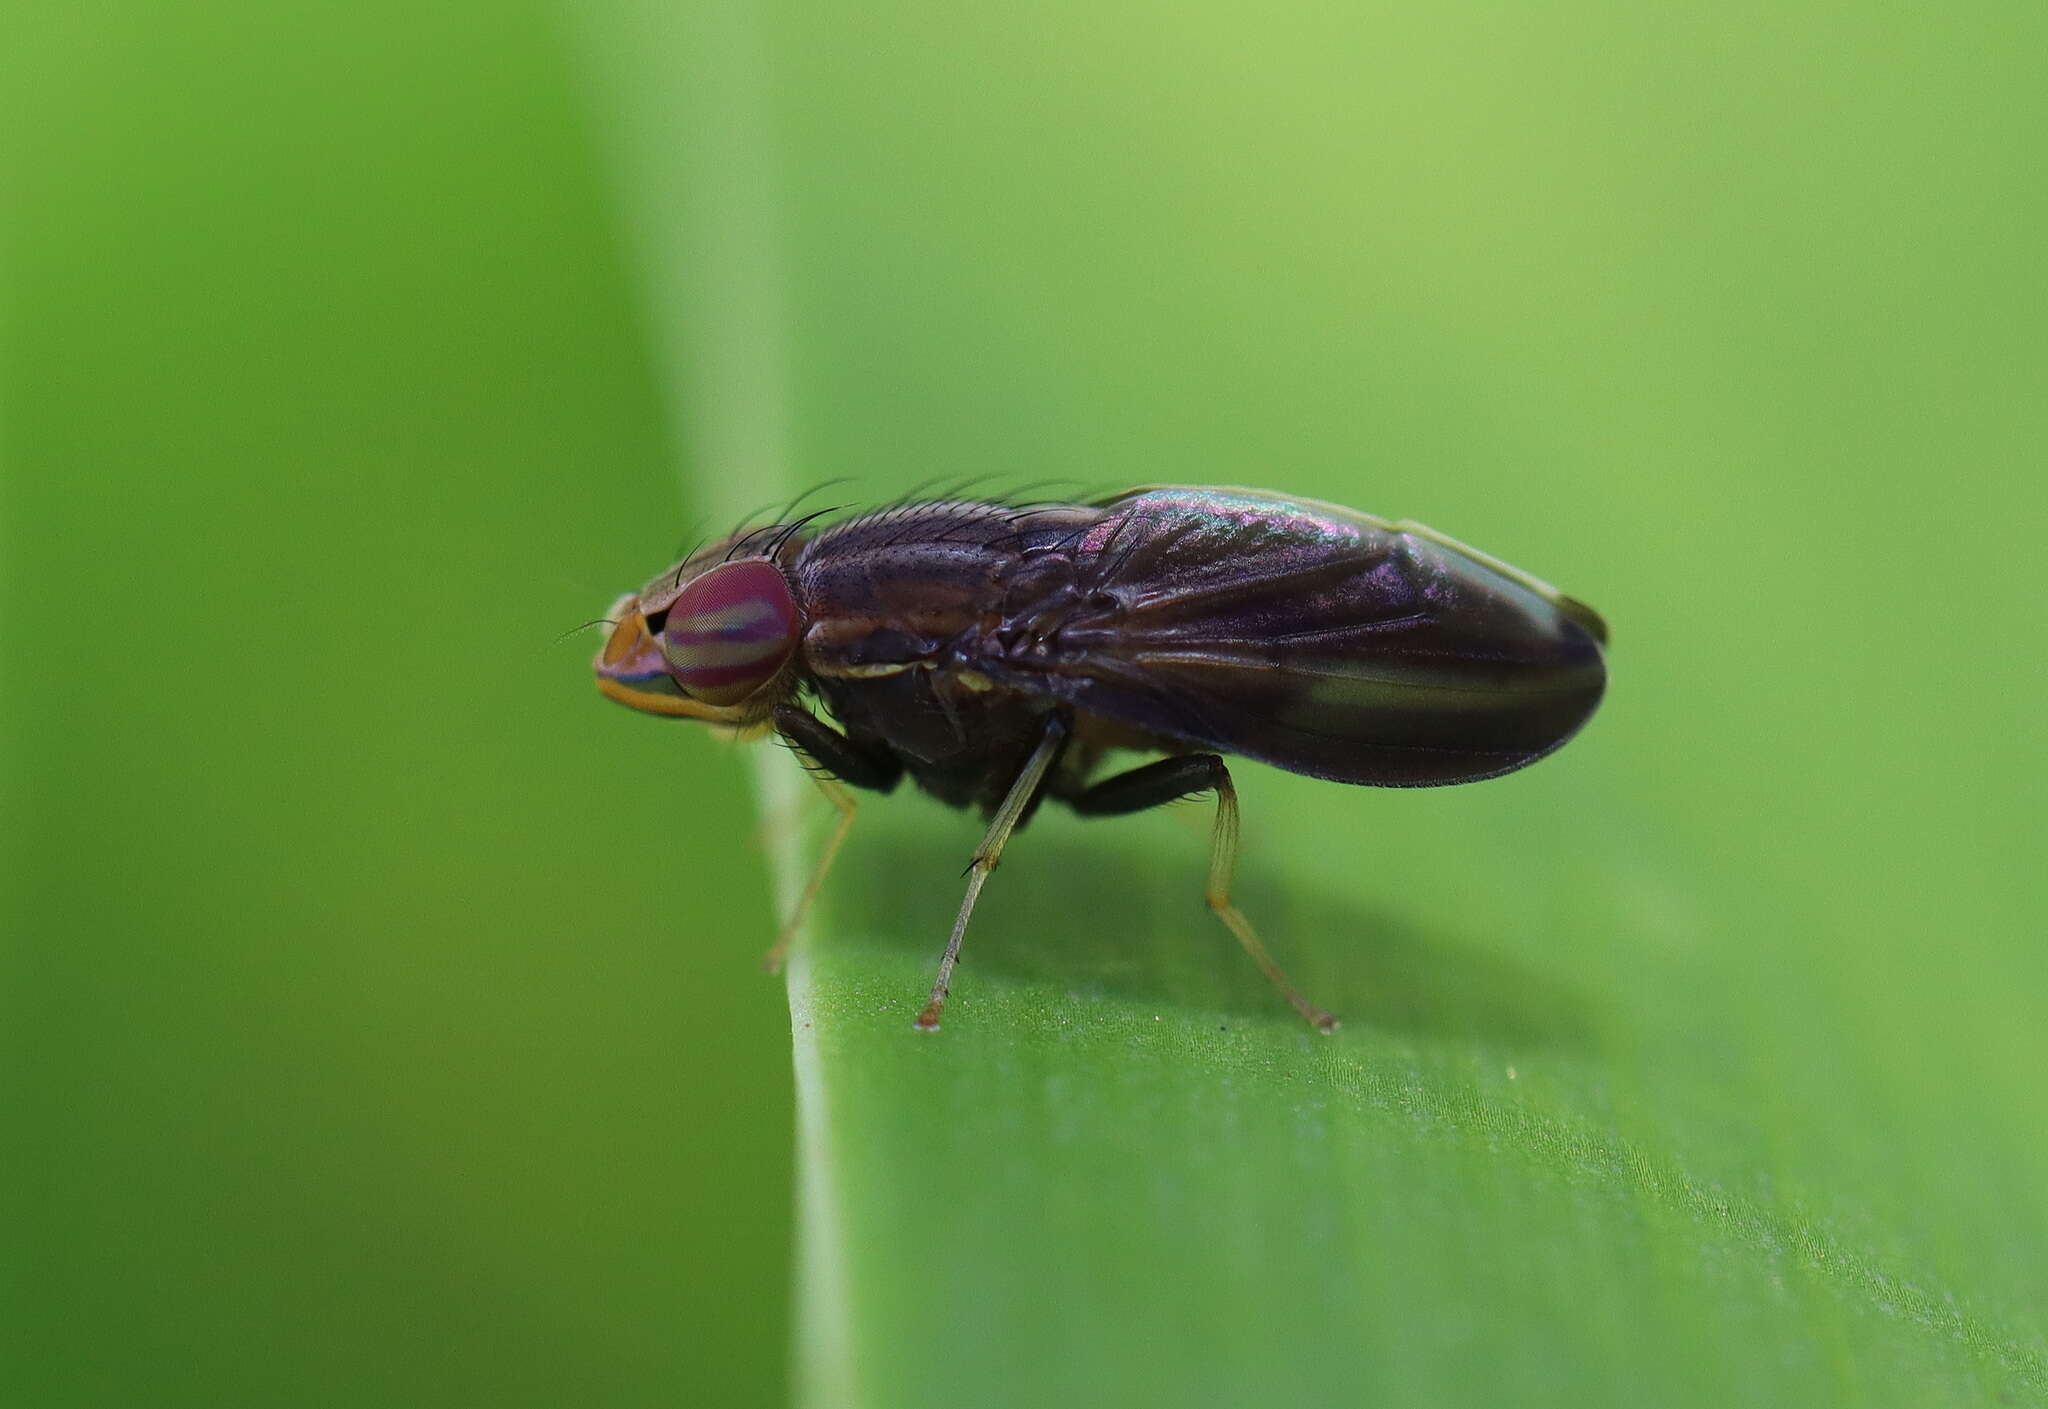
column 1169, row 780
column 818, row 743
column 856, row 765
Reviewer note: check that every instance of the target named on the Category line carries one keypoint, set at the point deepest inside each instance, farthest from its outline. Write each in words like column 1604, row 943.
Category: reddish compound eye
column 729, row 632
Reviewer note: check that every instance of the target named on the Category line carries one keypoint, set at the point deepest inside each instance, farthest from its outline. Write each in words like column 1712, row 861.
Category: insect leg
column 856, row 765
column 817, row 743
column 1016, row 803
column 1169, row 780
column 840, row 798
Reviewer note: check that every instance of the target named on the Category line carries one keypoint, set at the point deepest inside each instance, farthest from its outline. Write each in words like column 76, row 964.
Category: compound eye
column 729, row 632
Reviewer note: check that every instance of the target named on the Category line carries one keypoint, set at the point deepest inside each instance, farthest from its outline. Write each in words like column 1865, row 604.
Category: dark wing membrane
column 1322, row 641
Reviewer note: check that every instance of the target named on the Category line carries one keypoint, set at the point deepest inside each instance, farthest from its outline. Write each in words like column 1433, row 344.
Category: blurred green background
column 368, row 1052
column 382, row 1020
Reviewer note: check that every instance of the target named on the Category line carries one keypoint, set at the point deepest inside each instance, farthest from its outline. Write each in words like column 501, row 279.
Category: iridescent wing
column 1321, row 640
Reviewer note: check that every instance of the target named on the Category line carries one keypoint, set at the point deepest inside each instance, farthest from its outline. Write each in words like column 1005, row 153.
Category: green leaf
column 1125, row 1173
column 1696, row 1066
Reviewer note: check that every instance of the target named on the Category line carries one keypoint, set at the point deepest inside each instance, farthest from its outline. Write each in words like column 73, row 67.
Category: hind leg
column 1169, row 780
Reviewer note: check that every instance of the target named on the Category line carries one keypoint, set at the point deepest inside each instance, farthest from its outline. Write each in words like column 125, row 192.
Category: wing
column 1320, row 640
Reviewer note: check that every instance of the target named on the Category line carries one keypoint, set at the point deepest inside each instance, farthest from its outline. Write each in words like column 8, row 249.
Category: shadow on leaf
column 1077, row 909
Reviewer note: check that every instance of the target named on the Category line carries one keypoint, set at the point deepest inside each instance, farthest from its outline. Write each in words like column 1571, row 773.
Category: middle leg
column 1016, row 803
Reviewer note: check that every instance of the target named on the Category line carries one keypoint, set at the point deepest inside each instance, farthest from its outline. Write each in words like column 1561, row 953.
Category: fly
column 997, row 655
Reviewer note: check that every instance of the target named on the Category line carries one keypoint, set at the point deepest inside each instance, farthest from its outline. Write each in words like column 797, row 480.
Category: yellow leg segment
column 986, row 858
column 839, row 797
column 1222, row 866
